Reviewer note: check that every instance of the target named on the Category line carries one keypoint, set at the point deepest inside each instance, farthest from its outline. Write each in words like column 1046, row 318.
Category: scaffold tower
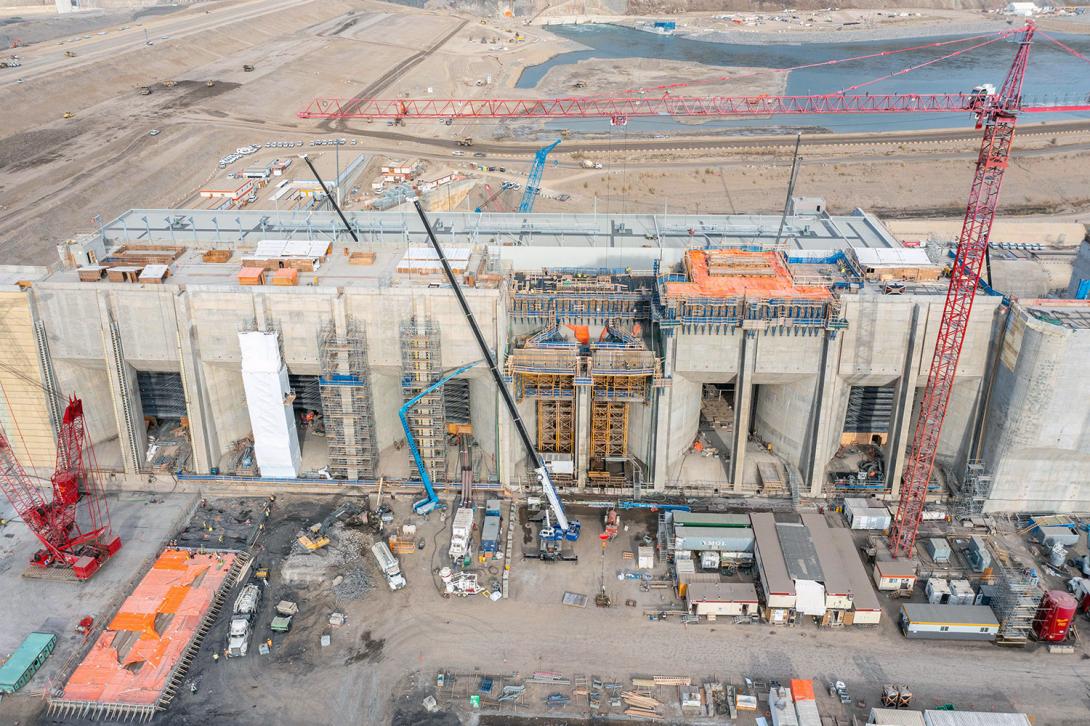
column 421, row 365
column 347, row 406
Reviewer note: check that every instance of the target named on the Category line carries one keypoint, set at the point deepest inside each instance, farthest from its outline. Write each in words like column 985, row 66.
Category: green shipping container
column 25, row 662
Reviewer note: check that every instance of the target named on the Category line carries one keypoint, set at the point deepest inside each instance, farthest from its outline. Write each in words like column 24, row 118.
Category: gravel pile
column 354, row 584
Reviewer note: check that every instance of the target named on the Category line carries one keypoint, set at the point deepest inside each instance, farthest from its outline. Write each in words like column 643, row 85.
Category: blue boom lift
column 431, row 501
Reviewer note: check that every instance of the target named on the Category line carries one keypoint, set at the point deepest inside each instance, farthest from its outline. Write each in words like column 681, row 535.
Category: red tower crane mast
column 76, row 538
column 996, row 113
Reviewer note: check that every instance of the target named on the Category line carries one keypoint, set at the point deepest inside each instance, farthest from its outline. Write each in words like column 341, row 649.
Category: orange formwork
column 132, row 661
column 740, row 274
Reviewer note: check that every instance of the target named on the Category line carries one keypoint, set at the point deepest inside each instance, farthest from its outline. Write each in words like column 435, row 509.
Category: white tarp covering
column 892, row 257
column 270, row 248
column 810, row 597
column 265, row 380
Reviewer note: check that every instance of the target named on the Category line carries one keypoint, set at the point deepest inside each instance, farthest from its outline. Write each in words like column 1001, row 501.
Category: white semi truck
column 461, row 532
column 242, row 619
column 389, row 565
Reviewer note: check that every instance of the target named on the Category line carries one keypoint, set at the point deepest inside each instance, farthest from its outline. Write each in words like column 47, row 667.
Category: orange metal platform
column 132, row 660
column 741, row 274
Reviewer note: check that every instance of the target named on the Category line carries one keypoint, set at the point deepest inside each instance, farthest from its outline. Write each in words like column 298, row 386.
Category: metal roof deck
column 770, row 555
column 829, row 558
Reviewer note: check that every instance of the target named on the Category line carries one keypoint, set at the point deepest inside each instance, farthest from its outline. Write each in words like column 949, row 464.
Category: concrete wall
column 1037, row 444
column 799, row 408
column 24, row 414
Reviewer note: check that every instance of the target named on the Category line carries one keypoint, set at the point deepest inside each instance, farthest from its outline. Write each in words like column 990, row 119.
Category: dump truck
column 144, row 90
column 389, row 565
column 242, row 619
column 285, row 611
column 467, row 141
column 247, row 68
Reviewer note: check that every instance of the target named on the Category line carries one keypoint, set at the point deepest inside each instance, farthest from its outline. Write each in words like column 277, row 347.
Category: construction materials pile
column 341, row 560
column 641, row 705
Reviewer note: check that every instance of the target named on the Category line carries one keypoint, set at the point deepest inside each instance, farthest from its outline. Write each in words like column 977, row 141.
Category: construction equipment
column 431, row 499
column 242, row 618
column 144, row 90
column 69, row 54
column 247, row 68
column 492, row 195
column 75, row 525
column 466, row 141
column 997, row 114
column 550, row 536
column 315, row 537
column 285, row 611
column 611, row 523
column 533, row 180
column 69, row 114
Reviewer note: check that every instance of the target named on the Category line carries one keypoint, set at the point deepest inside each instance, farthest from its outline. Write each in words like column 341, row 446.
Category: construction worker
column 215, row 657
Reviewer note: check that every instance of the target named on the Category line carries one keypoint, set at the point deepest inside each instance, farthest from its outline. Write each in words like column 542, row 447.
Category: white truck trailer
column 389, row 565
column 461, row 533
column 242, row 618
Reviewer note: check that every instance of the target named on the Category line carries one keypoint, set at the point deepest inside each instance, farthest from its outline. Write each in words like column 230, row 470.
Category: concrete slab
column 144, row 522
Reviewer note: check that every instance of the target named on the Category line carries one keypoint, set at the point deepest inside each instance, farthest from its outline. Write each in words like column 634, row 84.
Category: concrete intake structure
column 636, row 346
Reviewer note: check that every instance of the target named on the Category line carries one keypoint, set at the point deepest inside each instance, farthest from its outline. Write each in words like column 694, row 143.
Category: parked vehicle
column 242, row 618
column 285, row 611
column 389, row 565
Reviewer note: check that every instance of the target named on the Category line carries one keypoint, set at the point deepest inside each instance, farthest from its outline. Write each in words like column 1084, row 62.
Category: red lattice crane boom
column 997, row 116
column 74, row 526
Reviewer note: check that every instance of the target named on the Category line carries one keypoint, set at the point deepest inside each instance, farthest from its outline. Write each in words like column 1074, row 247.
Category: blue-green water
column 1053, row 74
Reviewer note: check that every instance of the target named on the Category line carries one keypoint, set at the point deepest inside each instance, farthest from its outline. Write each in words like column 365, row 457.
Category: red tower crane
column 74, row 526
column 995, row 112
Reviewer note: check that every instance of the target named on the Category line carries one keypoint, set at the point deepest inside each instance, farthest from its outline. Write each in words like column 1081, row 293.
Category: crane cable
column 1064, row 46
column 835, row 61
column 909, row 69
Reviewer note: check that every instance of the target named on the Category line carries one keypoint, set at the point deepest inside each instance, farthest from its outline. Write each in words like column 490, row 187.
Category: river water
column 1053, row 74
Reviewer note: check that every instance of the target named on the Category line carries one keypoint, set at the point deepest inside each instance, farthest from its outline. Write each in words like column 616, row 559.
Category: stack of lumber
column 643, row 706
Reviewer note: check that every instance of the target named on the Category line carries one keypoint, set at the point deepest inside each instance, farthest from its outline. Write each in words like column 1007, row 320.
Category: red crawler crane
column 995, row 112
column 75, row 537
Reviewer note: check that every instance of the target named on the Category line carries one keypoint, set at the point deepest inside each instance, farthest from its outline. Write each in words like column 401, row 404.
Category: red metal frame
column 75, row 537
column 998, row 119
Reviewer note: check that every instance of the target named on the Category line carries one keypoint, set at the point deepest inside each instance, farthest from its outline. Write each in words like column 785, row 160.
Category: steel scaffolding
column 974, row 490
column 579, row 297
column 347, row 408
column 421, row 365
column 555, row 426
column 1016, row 599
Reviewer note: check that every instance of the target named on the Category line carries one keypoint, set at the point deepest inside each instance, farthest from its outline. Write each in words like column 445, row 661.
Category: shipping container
column 948, row 622
column 490, row 534
column 25, row 661
column 782, row 707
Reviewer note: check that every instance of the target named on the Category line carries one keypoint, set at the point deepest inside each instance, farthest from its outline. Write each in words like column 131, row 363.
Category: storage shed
column 974, row 718
column 948, row 622
column 894, row 717
column 732, row 542
column 866, row 514
column 776, row 584
column 938, row 549
column 866, row 610
column 895, row 574
column 714, row 599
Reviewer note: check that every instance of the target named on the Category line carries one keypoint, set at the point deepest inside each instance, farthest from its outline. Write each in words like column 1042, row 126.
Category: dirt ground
column 383, row 661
